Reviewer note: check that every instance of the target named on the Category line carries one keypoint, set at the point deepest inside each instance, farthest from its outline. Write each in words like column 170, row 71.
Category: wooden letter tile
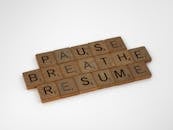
column 115, row 44
column 103, row 78
column 81, row 51
column 48, row 92
column 87, row 65
column 104, row 61
column 51, row 73
column 63, row 55
column 85, row 83
column 33, row 78
column 45, row 59
column 140, row 54
column 139, row 71
column 98, row 47
column 69, row 69
column 121, row 75
column 122, row 58
column 67, row 87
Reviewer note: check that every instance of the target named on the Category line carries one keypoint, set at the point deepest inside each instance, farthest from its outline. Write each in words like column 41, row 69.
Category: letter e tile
column 67, row 87
column 140, row 71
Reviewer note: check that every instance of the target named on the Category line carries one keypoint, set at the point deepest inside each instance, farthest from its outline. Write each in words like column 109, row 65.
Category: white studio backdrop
column 35, row 26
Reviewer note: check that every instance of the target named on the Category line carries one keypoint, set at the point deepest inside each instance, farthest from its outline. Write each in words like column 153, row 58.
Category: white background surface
column 30, row 27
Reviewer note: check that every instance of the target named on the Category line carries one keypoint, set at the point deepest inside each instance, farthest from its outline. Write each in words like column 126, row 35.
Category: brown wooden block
column 69, row 69
column 103, row 78
column 85, row 82
column 81, row 51
column 67, row 87
column 51, row 73
column 115, row 44
column 121, row 75
column 139, row 71
column 33, row 78
column 140, row 54
column 48, row 92
column 87, row 65
column 63, row 55
column 45, row 59
column 104, row 61
column 98, row 48
column 122, row 58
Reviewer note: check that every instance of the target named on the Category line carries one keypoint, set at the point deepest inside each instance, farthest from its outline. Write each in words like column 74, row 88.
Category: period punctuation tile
column 115, row 44
column 140, row 71
column 85, row 82
column 122, row 58
column 87, row 65
column 103, row 78
column 81, row 51
column 45, row 59
column 98, row 48
column 33, row 78
column 63, row 55
column 48, row 92
column 51, row 73
column 69, row 69
column 121, row 75
column 104, row 61
column 140, row 54
column 67, row 87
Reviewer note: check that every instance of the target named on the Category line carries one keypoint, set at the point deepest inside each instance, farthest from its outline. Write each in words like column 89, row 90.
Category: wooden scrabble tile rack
column 88, row 67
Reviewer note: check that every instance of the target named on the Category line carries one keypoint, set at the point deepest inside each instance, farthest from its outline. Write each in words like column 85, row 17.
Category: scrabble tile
column 115, row 44
column 81, row 51
column 51, row 73
column 67, row 87
column 103, row 78
column 122, row 58
column 104, row 61
column 33, row 78
column 45, row 59
column 87, row 65
column 98, row 48
column 85, row 83
column 69, row 69
column 63, row 55
column 48, row 92
column 140, row 54
column 121, row 75
column 139, row 71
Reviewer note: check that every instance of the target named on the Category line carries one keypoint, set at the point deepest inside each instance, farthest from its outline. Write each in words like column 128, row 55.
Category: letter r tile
column 48, row 92
column 33, row 78
column 51, row 73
